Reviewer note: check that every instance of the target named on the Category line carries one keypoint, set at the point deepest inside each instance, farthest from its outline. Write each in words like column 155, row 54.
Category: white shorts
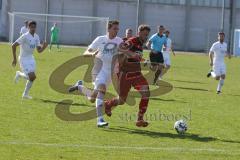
column 27, row 65
column 219, row 69
column 167, row 59
column 103, row 77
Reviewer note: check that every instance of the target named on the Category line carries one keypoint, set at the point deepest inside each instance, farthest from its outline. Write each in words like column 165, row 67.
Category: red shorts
column 128, row 80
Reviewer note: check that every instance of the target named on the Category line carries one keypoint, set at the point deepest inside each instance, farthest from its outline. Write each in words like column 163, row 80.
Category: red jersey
column 132, row 64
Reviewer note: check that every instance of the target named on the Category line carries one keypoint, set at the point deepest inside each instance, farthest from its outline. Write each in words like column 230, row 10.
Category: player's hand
column 14, row 63
column 174, row 54
column 211, row 64
column 229, row 56
column 45, row 44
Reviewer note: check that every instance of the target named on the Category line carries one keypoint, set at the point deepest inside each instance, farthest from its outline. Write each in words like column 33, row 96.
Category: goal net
column 73, row 30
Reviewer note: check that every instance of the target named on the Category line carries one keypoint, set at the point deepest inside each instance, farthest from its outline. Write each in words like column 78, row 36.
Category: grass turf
column 31, row 130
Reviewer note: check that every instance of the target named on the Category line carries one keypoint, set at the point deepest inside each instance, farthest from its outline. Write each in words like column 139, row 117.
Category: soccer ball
column 180, row 126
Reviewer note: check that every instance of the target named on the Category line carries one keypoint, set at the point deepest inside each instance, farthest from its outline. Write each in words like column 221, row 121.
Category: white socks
column 85, row 91
column 99, row 106
column 220, row 85
column 213, row 74
column 23, row 75
column 27, row 87
column 99, row 101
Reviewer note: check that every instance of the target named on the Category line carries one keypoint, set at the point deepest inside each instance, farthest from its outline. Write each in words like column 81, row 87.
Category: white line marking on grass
column 171, row 149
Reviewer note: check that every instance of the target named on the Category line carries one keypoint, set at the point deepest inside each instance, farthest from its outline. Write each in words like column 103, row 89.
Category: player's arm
column 150, row 41
column 90, row 52
column 228, row 54
column 14, row 50
column 124, row 48
column 41, row 48
column 211, row 53
column 172, row 49
column 21, row 32
column 93, row 48
column 148, row 44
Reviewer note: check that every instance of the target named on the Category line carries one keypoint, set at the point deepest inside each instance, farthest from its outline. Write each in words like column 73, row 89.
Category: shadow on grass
column 192, row 89
column 167, row 100
column 184, row 81
column 155, row 134
column 62, row 103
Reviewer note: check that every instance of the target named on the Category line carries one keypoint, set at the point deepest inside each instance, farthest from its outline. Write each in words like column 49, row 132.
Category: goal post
column 73, row 30
column 236, row 46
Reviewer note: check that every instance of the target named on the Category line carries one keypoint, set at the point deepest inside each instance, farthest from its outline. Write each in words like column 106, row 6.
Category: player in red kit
column 130, row 75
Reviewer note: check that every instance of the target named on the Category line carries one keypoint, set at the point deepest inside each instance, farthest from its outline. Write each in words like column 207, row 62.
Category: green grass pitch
column 30, row 130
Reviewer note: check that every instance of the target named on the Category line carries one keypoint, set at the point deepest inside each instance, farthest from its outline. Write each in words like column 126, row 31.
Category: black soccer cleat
column 219, row 92
column 72, row 89
column 75, row 87
column 209, row 74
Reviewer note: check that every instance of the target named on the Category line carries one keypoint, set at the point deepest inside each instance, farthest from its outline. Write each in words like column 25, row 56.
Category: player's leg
column 154, row 66
column 28, row 86
column 158, row 58
column 214, row 72
column 124, row 88
column 221, row 83
column 20, row 74
column 165, row 70
column 221, row 79
column 51, row 42
column 88, row 93
column 28, row 67
column 57, row 42
column 142, row 86
column 167, row 64
column 99, row 105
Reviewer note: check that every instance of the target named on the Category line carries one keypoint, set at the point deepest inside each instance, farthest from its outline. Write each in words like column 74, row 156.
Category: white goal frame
column 13, row 15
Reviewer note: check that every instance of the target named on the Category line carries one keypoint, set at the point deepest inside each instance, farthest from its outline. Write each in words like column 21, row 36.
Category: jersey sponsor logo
column 110, row 48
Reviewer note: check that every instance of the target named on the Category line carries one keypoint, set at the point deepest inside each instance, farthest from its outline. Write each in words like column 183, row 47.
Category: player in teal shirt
column 156, row 43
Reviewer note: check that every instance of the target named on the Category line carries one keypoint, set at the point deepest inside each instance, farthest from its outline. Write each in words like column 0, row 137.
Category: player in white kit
column 28, row 42
column 24, row 28
column 217, row 54
column 104, row 48
column 168, row 48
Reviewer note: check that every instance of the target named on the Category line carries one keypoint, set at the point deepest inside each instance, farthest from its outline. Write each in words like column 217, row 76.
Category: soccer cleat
column 209, row 74
column 141, row 123
column 75, row 86
column 26, row 97
column 219, row 92
column 102, row 124
column 160, row 78
column 17, row 76
column 108, row 109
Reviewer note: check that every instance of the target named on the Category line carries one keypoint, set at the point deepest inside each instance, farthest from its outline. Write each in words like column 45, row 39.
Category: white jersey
column 220, row 51
column 107, row 49
column 23, row 30
column 27, row 45
column 168, row 46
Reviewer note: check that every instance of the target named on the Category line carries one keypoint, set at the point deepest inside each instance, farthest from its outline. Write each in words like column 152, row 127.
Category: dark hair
column 221, row 33
column 26, row 22
column 129, row 29
column 144, row 27
column 32, row 23
column 111, row 23
column 161, row 26
column 167, row 31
